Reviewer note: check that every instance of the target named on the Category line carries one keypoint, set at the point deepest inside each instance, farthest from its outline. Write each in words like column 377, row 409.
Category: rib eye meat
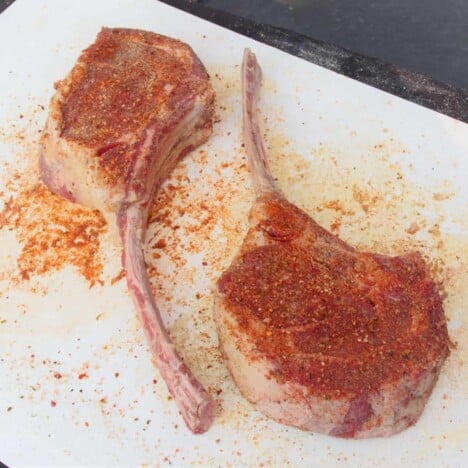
column 316, row 334
column 132, row 106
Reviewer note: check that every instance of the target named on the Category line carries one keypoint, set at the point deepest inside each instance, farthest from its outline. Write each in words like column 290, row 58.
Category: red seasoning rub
column 105, row 108
column 304, row 305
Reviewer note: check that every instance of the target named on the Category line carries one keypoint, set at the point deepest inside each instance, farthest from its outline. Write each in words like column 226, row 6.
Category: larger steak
column 131, row 107
column 316, row 334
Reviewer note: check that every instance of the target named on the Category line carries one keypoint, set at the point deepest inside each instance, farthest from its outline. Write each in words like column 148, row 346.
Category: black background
column 425, row 36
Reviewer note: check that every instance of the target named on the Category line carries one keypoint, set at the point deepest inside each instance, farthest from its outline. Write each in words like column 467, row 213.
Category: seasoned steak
column 132, row 106
column 315, row 333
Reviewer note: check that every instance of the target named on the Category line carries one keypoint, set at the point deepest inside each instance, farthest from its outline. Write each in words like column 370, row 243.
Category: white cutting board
column 77, row 384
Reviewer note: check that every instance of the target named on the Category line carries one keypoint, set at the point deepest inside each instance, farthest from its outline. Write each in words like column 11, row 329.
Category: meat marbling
column 133, row 105
column 316, row 334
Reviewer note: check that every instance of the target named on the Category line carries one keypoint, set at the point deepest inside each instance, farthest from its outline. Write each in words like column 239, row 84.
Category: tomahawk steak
column 133, row 105
column 316, row 334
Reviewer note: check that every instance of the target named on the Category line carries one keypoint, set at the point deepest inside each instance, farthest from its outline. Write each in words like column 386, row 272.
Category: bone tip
column 249, row 57
column 204, row 416
column 250, row 63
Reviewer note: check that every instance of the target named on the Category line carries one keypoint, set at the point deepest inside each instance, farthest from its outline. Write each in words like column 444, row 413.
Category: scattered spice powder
column 118, row 277
column 54, row 233
column 413, row 228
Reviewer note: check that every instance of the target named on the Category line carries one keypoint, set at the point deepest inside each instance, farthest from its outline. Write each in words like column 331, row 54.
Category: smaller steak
column 132, row 106
column 316, row 334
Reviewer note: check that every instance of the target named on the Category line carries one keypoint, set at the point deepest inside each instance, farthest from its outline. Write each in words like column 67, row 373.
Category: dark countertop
column 428, row 37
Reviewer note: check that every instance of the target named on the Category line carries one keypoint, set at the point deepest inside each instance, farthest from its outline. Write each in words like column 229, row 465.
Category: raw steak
column 316, row 334
column 132, row 106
